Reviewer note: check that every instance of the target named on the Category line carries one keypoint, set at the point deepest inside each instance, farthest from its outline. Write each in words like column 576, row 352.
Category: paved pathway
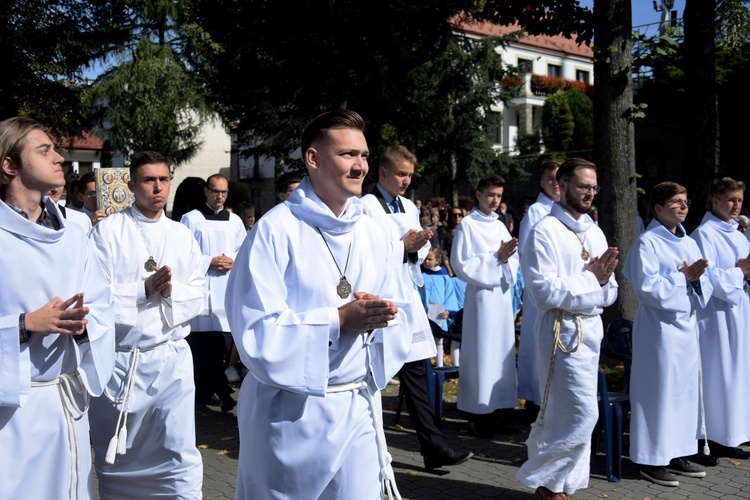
column 490, row 474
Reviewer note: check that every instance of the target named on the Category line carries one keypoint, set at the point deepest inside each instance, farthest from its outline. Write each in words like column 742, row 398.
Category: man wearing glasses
column 568, row 269
column 220, row 234
column 668, row 273
column 87, row 196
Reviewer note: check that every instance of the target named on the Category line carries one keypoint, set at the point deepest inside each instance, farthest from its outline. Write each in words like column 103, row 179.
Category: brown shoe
column 543, row 493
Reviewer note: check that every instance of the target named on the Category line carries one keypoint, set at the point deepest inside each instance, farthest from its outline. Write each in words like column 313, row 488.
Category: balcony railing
column 542, row 86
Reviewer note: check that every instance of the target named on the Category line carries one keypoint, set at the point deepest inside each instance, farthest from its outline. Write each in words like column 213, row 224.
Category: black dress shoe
column 228, row 404
column 704, row 460
column 727, row 451
column 480, row 430
column 212, row 401
column 445, row 456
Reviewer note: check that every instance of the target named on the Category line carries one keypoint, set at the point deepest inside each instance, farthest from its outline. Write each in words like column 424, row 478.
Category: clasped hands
column 414, row 240
column 58, row 316
column 160, row 281
column 507, row 249
column 694, row 271
column 366, row 313
column 604, row 265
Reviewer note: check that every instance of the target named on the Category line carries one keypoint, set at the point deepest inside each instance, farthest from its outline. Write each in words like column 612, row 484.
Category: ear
column 478, row 194
column 10, row 168
column 131, row 186
column 311, row 158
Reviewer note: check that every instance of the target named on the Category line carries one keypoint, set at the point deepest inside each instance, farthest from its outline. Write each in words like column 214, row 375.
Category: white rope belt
column 557, row 344
column 118, row 443
column 384, row 457
column 68, row 386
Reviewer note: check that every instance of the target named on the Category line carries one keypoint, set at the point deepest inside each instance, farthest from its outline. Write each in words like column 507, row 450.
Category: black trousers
column 209, row 351
column 413, row 379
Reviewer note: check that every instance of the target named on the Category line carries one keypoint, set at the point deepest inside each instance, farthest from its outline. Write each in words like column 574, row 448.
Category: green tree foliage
column 46, row 46
column 557, row 123
column 149, row 103
column 149, row 98
column 582, row 110
column 400, row 65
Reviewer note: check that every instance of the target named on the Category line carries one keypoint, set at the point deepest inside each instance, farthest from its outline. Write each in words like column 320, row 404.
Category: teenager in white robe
column 53, row 278
column 568, row 268
column 484, row 256
column 528, row 376
column 399, row 216
column 724, row 323
column 317, row 352
column 147, row 413
column 667, row 271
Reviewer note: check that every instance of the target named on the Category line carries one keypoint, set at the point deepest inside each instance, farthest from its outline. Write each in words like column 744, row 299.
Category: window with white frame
column 582, row 76
column 554, row 70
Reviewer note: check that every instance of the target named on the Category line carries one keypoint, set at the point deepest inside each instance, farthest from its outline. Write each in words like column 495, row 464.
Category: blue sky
column 643, row 10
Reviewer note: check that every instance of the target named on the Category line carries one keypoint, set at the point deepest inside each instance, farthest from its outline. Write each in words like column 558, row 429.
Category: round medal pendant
column 344, row 289
column 150, row 264
column 585, row 254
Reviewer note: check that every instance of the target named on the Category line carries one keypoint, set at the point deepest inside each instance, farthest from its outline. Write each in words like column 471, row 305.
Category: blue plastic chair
column 618, row 345
column 613, row 406
column 436, row 377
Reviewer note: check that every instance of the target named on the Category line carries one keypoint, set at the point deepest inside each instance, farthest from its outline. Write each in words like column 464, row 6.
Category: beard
column 580, row 206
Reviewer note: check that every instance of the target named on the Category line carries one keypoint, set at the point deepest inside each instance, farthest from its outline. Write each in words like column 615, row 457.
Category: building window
column 554, row 70
column 496, row 128
column 525, row 66
column 582, row 76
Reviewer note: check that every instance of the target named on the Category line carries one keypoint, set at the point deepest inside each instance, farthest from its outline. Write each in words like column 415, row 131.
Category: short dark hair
column 287, row 179
column 569, row 166
column 146, row 158
column 663, row 192
column 491, row 181
column 550, row 165
column 726, row 185
column 85, row 179
column 396, row 154
column 215, row 176
column 322, row 124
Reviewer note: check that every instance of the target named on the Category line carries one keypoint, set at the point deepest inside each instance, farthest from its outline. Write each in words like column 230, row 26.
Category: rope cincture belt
column 68, row 386
column 384, row 457
column 118, row 443
column 557, row 344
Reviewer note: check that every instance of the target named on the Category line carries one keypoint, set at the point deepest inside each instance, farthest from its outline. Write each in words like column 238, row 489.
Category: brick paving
column 490, row 474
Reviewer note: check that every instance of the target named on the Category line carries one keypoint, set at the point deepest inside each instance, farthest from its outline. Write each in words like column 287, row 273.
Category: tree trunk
column 701, row 133
column 614, row 146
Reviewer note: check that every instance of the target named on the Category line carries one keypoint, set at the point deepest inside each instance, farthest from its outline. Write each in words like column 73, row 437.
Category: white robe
column 396, row 226
column 39, row 264
column 161, row 457
column 79, row 218
column 528, row 375
column 664, row 374
column 299, row 441
column 215, row 237
column 724, row 327
column 557, row 280
column 487, row 372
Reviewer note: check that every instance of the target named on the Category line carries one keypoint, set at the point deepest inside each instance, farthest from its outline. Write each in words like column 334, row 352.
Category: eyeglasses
column 456, row 214
column 585, row 188
column 677, row 202
column 219, row 191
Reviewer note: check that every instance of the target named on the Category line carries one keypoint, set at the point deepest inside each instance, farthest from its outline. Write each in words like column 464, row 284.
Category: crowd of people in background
column 321, row 301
